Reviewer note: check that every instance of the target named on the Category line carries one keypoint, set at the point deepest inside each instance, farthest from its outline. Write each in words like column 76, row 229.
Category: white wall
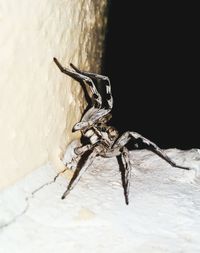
column 38, row 104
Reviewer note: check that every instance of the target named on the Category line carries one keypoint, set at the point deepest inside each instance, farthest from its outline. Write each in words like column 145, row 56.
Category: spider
column 99, row 138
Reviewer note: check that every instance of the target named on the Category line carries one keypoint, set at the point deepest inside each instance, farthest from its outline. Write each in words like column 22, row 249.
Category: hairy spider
column 100, row 138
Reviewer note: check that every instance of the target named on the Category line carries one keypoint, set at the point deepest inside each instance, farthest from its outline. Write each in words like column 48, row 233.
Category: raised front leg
column 78, row 153
column 94, row 76
column 96, row 97
column 96, row 112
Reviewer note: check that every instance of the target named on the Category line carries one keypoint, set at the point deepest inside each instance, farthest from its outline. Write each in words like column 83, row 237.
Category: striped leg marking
column 96, row 97
column 123, row 140
column 100, row 77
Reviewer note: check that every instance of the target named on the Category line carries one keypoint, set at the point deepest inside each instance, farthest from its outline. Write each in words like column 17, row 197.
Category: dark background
column 152, row 59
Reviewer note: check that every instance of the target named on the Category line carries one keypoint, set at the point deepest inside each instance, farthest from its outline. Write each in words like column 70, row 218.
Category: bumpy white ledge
column 38, row 104
column 163, row 214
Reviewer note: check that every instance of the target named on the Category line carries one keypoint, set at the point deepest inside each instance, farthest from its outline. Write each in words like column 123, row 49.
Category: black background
column 152, row 59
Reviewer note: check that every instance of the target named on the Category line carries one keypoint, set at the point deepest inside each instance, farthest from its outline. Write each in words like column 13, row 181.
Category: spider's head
column 112, row 133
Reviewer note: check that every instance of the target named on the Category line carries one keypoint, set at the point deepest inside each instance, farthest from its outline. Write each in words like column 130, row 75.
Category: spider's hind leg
column 125, row 168
column 123, row 140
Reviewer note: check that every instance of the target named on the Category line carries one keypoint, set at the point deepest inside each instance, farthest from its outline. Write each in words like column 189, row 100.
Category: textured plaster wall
column 38, row 104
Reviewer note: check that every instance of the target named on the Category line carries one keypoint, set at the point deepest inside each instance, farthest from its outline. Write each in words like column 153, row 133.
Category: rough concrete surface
column 163, row 214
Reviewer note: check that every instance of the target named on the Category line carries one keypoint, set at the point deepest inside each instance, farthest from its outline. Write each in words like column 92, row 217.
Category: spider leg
column 79, row 152
column 123, row 140
column 125, row 168
column 102, row 113
column 92, row 75
column 95, row 112
column 123, row 158
column 82, row 149
column 96, row 97
column 99, row 77
column 82, row 166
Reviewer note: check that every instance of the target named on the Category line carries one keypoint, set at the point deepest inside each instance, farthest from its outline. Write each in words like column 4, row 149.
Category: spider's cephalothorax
column 101, row 139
